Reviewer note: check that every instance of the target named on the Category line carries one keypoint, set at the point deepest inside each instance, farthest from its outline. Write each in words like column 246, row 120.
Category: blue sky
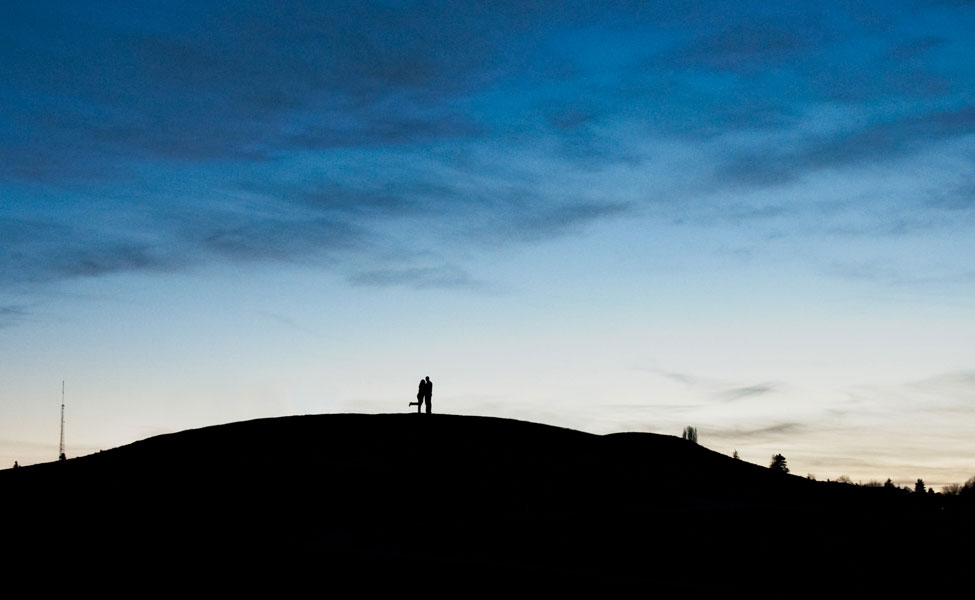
column 752, row 218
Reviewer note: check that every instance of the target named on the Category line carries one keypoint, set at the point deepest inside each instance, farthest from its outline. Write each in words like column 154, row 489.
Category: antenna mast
column 61, row 449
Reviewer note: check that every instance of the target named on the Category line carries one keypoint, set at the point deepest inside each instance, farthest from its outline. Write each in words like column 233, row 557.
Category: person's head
column 428, row 378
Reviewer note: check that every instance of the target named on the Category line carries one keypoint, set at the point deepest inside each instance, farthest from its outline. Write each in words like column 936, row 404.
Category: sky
column 753, row 218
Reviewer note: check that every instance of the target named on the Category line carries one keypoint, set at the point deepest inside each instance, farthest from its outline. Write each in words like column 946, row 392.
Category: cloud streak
column 871, row 143
column 763, row 434
column 750, row 391
column 444, row 277
column 12, row 314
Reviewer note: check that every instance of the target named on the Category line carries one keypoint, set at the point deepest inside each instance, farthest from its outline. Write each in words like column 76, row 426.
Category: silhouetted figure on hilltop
column 419, row 397
column 424, row 395
column 427, row 387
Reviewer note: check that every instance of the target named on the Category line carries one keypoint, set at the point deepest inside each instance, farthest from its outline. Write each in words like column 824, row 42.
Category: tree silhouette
column 919, row 486
column 690, row 433
column 952, row 489
column 735, row 455
column 778, row 464
column 968, row 490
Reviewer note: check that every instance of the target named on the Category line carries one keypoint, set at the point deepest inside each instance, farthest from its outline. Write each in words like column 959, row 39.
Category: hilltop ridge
column 474, row 495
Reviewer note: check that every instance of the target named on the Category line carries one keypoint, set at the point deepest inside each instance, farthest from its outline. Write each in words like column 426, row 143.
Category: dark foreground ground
column 418, row 502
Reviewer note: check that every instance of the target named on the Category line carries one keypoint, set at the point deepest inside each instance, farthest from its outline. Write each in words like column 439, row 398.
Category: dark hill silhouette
column 451, row 499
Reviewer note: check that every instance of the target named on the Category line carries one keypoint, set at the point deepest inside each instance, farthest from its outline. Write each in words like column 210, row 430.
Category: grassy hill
column 474, row 499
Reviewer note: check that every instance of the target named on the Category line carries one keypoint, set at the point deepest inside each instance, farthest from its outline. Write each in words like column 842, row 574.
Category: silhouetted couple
column 424, row 394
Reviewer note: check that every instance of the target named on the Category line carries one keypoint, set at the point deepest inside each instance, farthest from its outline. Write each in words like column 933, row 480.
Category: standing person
column 427, row 387
column 420, row 394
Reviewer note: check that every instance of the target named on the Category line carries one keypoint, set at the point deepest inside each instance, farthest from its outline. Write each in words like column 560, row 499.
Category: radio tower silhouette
column 61, row 449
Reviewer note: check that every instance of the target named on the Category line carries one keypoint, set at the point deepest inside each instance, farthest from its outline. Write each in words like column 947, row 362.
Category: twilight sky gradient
column 755, row 218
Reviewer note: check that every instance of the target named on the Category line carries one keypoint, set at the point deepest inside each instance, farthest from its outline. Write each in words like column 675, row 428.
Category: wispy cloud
column 683, row 378
column 860, row 143
column 652, row 407
column 12, row 314
column 951, row 380
column 557, row 221
column 444, row 277
column 761, row 434
column 713, row 388
column 748, row 391
column 893, row 274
